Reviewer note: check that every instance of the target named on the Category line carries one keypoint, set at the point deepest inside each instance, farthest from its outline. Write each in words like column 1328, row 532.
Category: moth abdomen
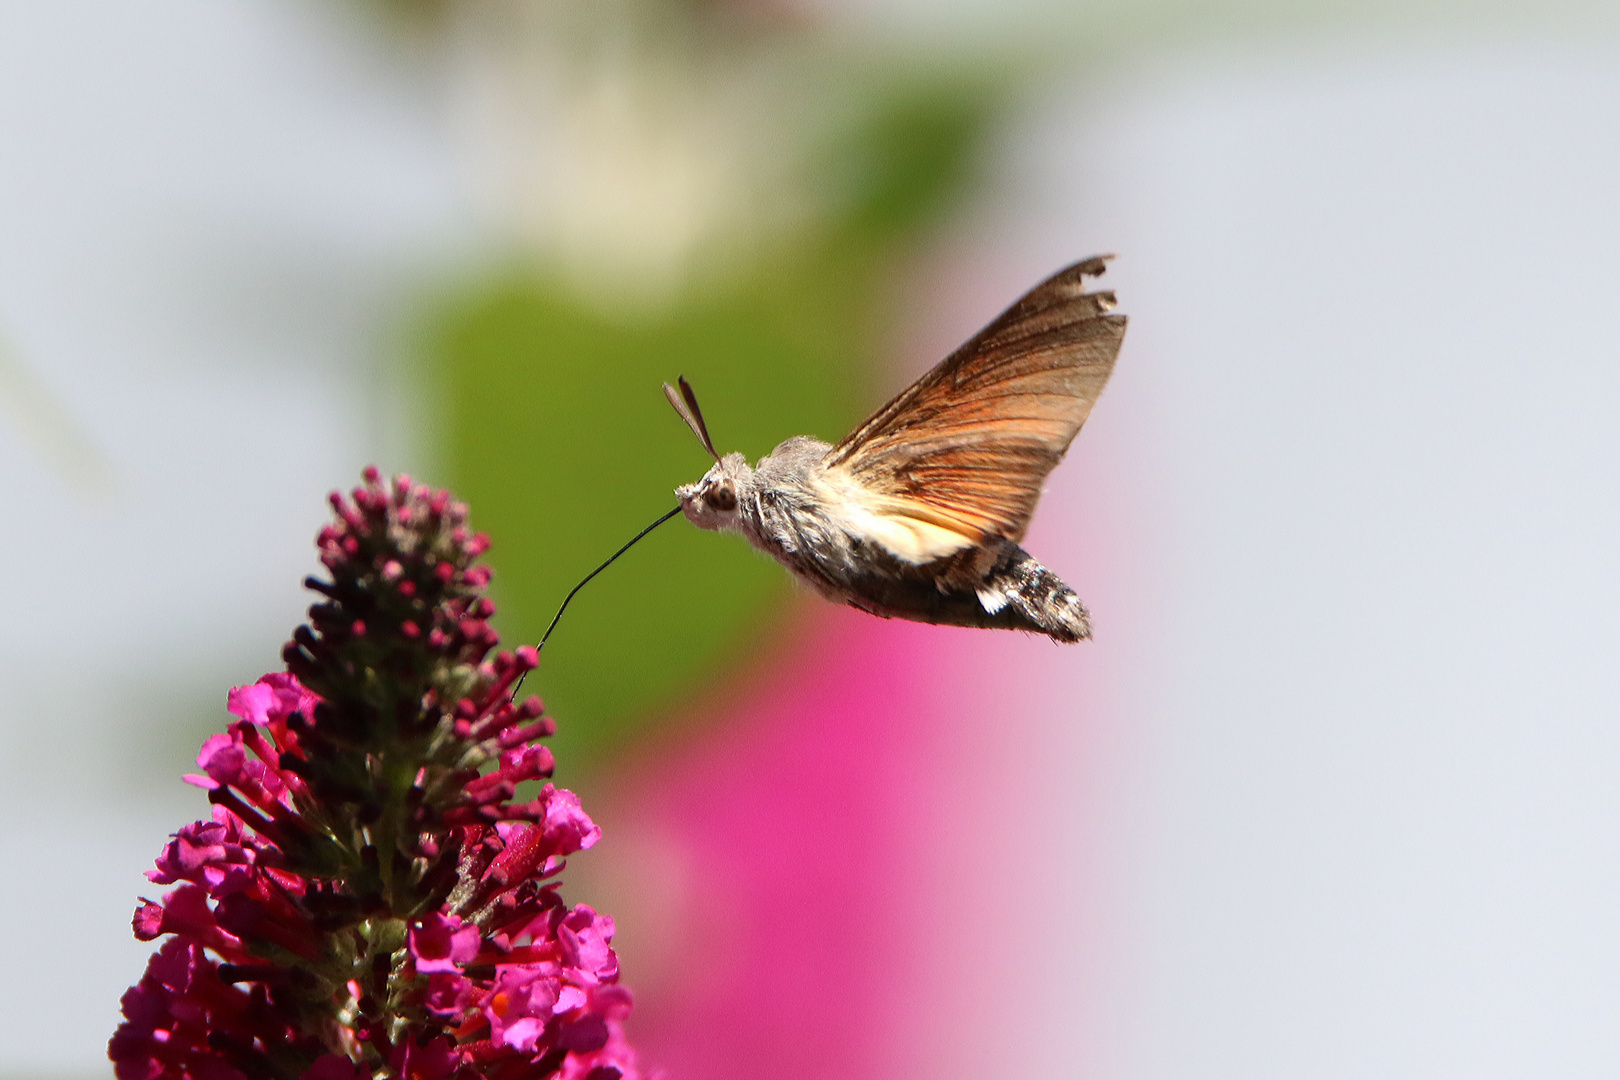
column 1013, row 593
column 1038, row 595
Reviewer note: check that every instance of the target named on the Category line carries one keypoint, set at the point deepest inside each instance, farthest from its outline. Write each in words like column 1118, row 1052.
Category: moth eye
column 722, row 496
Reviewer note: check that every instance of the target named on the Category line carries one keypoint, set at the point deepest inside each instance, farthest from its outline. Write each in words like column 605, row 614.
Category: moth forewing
column 977, row 435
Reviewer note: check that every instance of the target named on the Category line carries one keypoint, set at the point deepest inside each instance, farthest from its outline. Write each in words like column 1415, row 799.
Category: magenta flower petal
column 448, row 995
column 520, row 1006
column 442, row 943
column 566, row 823
column 221, row 758
column 585, row 936
column 252, row 703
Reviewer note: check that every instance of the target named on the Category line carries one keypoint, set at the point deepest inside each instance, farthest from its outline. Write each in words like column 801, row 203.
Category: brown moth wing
column 968, row 445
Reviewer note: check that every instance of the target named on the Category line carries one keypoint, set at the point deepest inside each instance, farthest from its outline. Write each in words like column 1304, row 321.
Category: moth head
column 712, row 502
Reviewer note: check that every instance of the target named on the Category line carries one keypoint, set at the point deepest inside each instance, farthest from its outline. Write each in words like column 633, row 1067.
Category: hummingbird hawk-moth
column 918, row 512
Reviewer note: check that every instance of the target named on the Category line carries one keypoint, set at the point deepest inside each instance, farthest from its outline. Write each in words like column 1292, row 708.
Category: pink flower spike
column 284, row 905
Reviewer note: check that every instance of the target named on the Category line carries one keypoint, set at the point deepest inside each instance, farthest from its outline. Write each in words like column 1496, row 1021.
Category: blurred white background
column 1360, row 459
column 1370, row 394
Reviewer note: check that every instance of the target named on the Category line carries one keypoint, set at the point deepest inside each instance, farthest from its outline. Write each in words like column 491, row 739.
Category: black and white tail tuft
column 1038, row 595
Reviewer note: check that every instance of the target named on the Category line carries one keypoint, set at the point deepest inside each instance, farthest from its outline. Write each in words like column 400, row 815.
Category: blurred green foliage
column 557, row 434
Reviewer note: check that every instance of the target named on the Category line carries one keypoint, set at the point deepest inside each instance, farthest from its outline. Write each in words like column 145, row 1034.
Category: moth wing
column 968, row 445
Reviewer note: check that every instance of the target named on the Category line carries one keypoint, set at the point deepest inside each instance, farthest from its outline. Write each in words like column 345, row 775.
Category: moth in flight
column 918, row 512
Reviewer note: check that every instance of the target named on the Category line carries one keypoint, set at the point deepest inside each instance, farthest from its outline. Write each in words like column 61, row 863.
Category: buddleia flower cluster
column 369, row 898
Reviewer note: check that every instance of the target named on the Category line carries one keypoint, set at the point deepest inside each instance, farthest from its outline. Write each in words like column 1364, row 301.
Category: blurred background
column 1335, row 791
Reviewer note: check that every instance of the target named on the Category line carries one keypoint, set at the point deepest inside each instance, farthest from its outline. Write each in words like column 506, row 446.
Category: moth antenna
column 634, row 540
column 691, row 402
column 686, row 407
